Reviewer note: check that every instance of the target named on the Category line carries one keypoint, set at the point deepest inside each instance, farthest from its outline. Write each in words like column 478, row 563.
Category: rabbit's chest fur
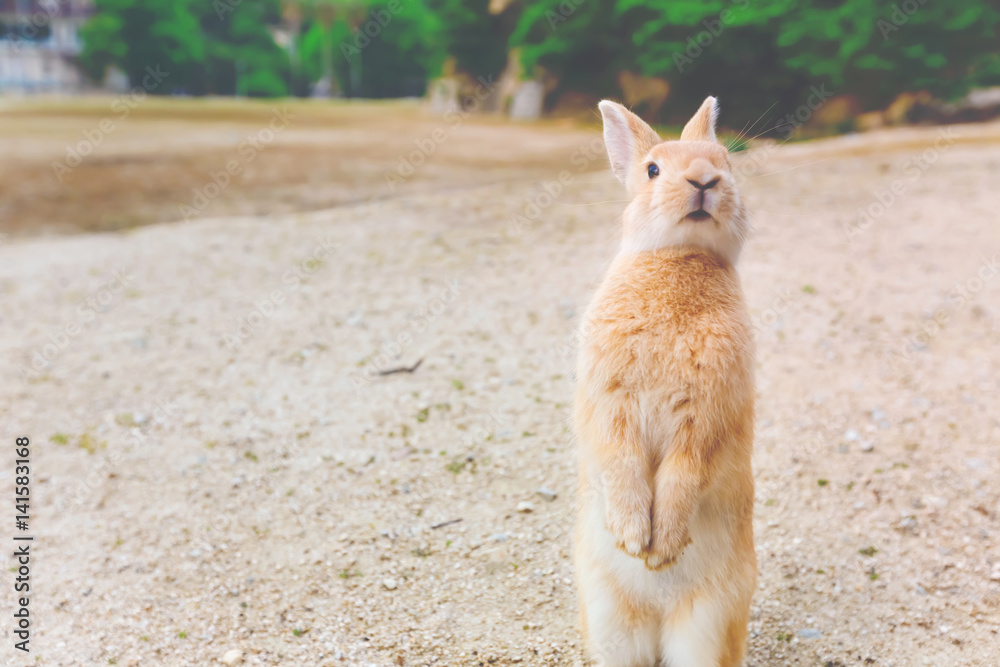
column 665, row 328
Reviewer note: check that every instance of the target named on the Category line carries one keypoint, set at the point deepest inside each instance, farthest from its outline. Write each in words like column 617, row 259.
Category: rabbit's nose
column 702, row 174
column 702, row 185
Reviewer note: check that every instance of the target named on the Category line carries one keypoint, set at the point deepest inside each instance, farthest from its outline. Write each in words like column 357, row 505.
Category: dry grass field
column 219, row 468
column 157, row 155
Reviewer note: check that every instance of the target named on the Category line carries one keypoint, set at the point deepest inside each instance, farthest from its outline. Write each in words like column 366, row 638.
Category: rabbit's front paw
column 630, row 529
column 666, row 547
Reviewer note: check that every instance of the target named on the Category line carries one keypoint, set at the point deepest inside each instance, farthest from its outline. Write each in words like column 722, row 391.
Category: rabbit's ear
column 701, row 127
column 626, row 136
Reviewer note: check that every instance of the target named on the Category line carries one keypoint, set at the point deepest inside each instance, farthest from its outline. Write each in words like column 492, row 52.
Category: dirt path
column 217, row 466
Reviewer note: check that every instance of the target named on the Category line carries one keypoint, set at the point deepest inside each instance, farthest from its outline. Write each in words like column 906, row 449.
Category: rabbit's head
column 683, row 192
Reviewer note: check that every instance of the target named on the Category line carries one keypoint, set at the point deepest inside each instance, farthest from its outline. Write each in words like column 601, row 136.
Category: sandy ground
column 217, row 467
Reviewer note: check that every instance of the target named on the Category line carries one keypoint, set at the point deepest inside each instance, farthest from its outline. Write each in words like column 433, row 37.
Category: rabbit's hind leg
column 708, row 631
column 618, row 634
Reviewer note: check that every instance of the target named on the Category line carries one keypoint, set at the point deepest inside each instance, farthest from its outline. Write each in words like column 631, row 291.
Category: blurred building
column 40, row 44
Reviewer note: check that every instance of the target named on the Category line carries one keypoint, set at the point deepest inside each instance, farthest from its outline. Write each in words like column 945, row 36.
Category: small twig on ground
column 402, row 369
column 445, row 523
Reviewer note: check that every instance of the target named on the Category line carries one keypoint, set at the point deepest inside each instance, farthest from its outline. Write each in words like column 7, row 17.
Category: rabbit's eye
column 653, row 171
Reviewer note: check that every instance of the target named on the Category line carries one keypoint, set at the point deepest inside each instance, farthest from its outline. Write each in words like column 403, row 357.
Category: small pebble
column 547, row 493
column 390, row 584
column 907, row 524
column 525, row 507
column 232, row 657
column 866, row 446
column 809, row 633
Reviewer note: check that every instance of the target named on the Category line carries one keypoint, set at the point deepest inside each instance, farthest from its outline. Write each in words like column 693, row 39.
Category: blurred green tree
column 756, row 53
column 140, row 34
column 222, row 47
column 474, row 37
column 242, row 57
column 762, row 52
column 385, row 48
column 584, row 43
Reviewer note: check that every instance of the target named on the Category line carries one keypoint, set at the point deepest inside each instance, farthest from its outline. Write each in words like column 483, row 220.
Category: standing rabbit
column 664, row 411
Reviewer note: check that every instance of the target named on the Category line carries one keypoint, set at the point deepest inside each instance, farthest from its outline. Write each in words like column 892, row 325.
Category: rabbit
column 664, row 411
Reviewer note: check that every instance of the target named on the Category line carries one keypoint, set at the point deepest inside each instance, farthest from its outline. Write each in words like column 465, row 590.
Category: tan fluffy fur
column 664, row 414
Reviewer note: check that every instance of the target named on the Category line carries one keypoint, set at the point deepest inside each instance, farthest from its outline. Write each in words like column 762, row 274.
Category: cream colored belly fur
column 679, row 617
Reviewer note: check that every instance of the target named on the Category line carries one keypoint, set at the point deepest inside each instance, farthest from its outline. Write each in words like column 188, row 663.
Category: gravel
column 277, row 485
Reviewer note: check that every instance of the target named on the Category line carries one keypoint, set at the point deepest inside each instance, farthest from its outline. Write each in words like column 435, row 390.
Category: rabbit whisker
column 748, row 129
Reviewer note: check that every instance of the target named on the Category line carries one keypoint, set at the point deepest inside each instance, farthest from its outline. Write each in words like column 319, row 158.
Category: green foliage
column 405, row 53
column 221, row 47
column 878, row 49
column 758, row 53
column 474, row 37
column 373, row 49
column 318, row 50
column 241, row 55
column 584, row 48
column 136, row 34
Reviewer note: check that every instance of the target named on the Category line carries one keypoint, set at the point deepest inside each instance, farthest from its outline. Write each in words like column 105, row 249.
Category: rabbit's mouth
column 699, row 215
